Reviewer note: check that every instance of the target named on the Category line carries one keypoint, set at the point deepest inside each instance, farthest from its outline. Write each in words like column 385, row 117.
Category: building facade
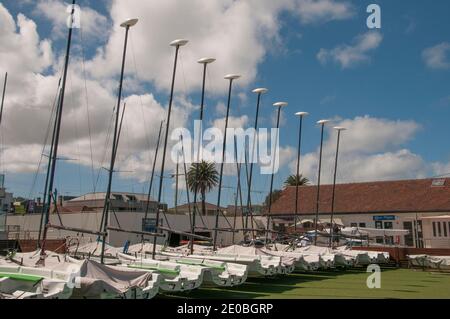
column 407, row 205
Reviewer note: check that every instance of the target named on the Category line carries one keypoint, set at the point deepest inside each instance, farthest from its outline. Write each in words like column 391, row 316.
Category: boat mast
column 54, row 156
column 279, row 106
column 230, row 78
column 205, row 62
column 260, row 92
column 153, row 174
column 177, row 44
column 44, row 204
column 3, row 97
column 127, row 24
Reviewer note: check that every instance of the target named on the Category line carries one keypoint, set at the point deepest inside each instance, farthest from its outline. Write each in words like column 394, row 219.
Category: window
column 388, row 225
column 434, row 229
column 354, row 225
column 445, row 229
column 149, row 225
column 379, row 225
column 439, row 229
column 362, row 225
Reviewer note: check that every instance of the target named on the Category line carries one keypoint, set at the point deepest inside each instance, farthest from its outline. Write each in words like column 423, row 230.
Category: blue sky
column 393, row 93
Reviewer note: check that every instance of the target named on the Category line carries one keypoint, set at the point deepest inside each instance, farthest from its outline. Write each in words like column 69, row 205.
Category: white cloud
column 313, row 11
column 22, row 50
column 93, row 24
column 238, row 34
column 351, row 55
column 437, row 57
column 371, row 150
column 29, row 101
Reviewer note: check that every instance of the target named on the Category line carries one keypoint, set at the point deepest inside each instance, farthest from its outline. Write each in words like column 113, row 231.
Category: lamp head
column 280, row 104
column 129, row 23
column 302, row 114
column 206, row 60
column 179, row 42
column 232, row 77
column 340, row 128
column 323, row 122
column 260, row 91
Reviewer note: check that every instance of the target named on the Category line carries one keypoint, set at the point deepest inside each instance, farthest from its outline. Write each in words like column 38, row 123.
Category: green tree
column 276, row 194
column 295, row 180
column 202, row 178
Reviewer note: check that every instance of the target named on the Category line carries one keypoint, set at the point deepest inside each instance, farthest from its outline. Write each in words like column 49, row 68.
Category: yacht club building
column 420, row 206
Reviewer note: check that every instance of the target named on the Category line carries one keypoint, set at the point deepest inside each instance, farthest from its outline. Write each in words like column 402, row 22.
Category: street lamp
column 279, row 106
column 231, row 78
column 339, row 129
column 322, row 123
column 127, row 25
column 301, row 115
column 205, row 62
column 177, row 44
column 259, row 92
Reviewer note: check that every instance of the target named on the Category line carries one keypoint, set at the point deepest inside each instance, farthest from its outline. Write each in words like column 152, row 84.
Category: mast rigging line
column 87, row 108
column 47, row 134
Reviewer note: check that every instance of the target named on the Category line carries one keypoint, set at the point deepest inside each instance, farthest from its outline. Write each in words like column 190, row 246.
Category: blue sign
column 381, row 218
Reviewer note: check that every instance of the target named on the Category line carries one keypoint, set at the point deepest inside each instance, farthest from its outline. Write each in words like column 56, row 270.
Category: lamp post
column 205, row 62
column 322, row 123
column 231, row 78
column 339, row 130
column 259, row 92
column 127, row 25
column 279, row 106
column 177, row 44
column 301, row 115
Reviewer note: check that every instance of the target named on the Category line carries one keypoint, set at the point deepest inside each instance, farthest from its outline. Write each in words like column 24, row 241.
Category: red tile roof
column 375, row 197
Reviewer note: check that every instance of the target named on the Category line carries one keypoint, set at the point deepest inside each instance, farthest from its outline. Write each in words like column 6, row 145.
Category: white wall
column 29, row 225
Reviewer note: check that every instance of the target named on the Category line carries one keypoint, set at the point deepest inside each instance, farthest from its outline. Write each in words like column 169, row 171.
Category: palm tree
column 295, row 180
column 202, row 178
column 276, row 194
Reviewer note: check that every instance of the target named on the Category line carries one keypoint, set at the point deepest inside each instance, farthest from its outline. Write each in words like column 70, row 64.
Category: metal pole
column 250, row 177
column 318, row 185
column 202, row 105
column 298, row 172
column 58, row 129
column 271, row 180
column 153, row 172
column 113, row 152
column 222, row 164
column 3, row 96
column 163, row 162
column 47, row 177
column 334, row 186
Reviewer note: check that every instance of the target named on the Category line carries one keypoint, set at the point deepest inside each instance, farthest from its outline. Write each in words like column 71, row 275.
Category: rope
column 87, row 110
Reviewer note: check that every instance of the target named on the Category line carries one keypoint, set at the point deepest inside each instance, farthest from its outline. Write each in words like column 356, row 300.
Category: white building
column 412, row 205
column 85, row 213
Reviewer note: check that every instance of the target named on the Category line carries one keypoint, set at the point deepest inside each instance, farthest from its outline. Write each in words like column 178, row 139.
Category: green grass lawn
column 395, row 283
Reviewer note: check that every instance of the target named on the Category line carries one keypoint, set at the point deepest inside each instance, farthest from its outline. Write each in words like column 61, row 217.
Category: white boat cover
column 101, row 280
column 90, row 279
column 435, row 262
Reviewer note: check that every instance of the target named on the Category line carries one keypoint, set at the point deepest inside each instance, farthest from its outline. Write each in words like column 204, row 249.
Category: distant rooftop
column 114, row 195
column 421, row 195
